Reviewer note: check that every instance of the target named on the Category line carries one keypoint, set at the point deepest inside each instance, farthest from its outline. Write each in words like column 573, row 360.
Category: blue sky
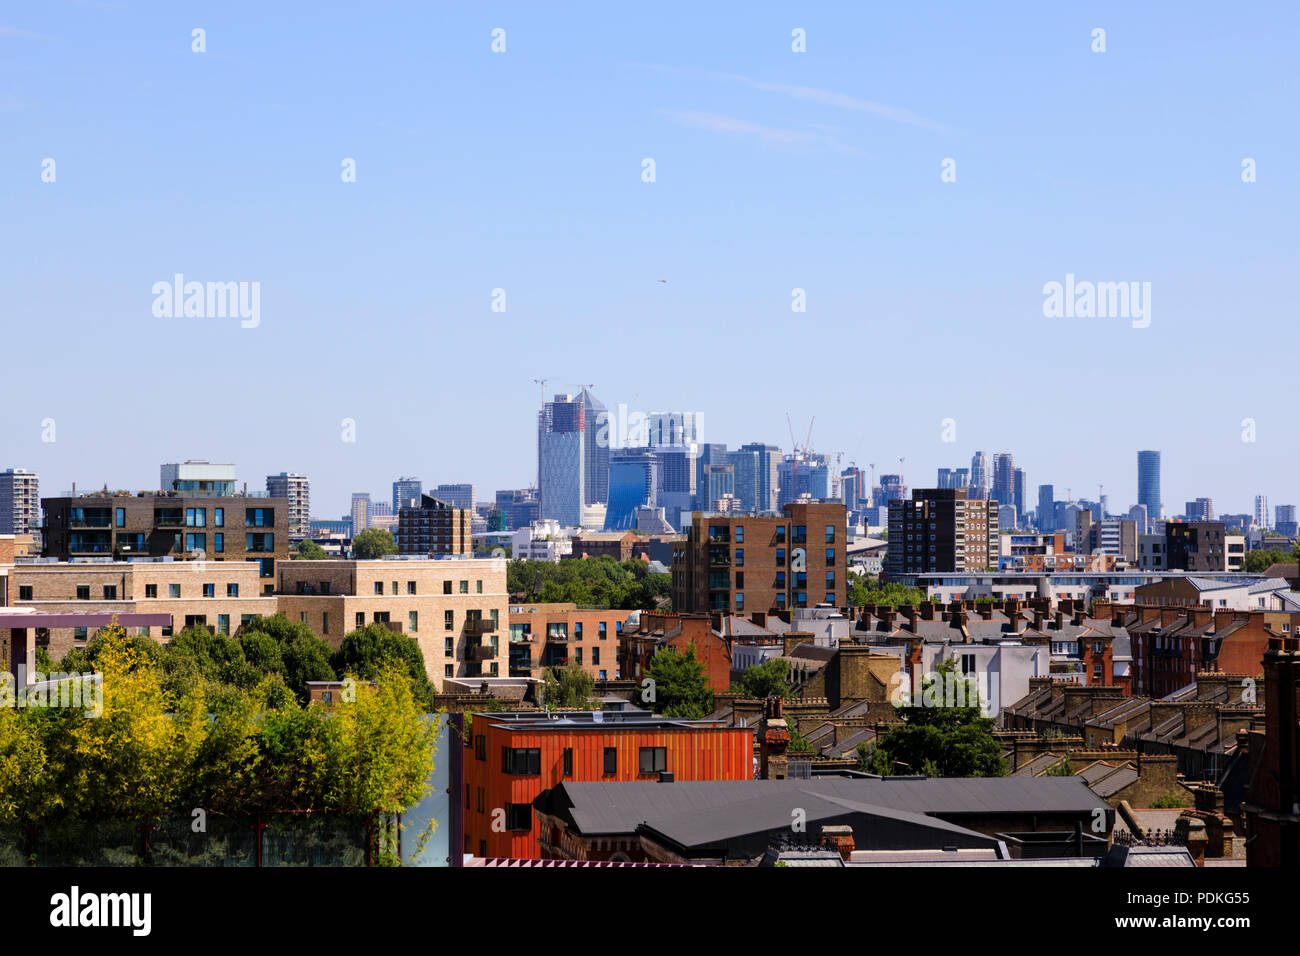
column 775, row 170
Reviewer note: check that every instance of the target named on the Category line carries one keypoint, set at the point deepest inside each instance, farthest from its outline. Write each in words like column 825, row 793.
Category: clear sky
column 774, row 170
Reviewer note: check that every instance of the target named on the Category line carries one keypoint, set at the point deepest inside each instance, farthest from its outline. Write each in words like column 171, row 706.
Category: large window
column 519, row 816
column 521, row 760
column 611, row 760
column 260, row 543
column 653, row 759
column 196, row 517
column 259, row 517
column 196, row 542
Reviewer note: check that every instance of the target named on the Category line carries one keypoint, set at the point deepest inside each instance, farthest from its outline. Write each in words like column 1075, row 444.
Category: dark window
column 480, row 747
column 110, row 592
column 519, row 816
column 83, row 592
column 611, row 760
column 568, row 761
column 653, row 759
column 24, row 592
column 521, row 760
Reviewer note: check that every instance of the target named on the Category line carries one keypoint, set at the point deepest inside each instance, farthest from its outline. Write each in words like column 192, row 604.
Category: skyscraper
column 954, row 478
column 562, row 441
column 979, row 475
column 360, row 512
column 672, row 428
column 297, row 488
column 1045, row 517
column 633, row 484
column 1149, row 484
column 456, row 495
column 1004, row 478
column 406, row 493
column 20, row 502
column 757, row 479
column 595, row 465
column 1019, row 491
column 1261, row 511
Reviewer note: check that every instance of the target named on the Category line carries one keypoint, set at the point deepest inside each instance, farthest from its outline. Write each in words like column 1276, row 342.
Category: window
column 209, row 590
column 410, row 587
column 110, row 592
column 780, row 557
column 519, row 816
column 259, row 517
column 121, row 517
column 740, row 534
column 232, row 590
column 577, row 630
column 223, row 623
column 24, row 592
column 464, row 587
column 196, row 517
column 780, row 536
column 218, row 517
column 595, row 655
column 196, row 542
column 219, row 543
column 653, row 759
column 449, row 620
column 393, row 590
column 446, row 587
column 151, row 590
column 611, row 760
column 602, row 629
column 325, row 622
column 740, row 557
column 480, row 748
column 521, row 760
column 448, row 647
column 83, row 592
column 259, row 543
column 361, row 618
column 568, row 761
column 830, row 533
column 379, row 588
column 78, row 633
column 577, row 656
column 740, row 601
column 413, row 621
column 830, row 555
column 478, row 587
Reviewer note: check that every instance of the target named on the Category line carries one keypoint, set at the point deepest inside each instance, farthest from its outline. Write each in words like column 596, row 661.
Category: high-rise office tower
column 297, row 488
column 954, row 478
column 633, row 484
column 1149, row 483
column 1045, row 517
column 360, row 512
column 1004, row 478
column 980, row 480
column 1285, row 522
column 406, row 493
column 1019, row 491
column 20, row 501
column 595, row 464
column 672, row 428
column 1202, row 509
column 456, row 495
column 562, row 441
column 757, row 479
column 1261, row 511
column 706, row 455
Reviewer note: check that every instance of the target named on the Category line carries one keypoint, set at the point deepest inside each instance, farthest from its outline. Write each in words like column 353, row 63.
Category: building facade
column 436, row 527
column 296, row 489
column 941, row 529
column 20, row 501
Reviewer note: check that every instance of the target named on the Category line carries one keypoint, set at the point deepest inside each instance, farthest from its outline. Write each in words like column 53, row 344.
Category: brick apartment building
column 793, row 560
column 218, row 595
column 455, row 608
column 513, row 757
column 212, row 528
column 658, row 630
column 434, row 528
column 595, row 544
column 941, row 529
column 1196, row 546
column 556, row 635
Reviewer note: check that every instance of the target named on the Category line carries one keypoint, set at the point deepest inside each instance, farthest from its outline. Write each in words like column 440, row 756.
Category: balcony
column 477, row 628
column 479, row 652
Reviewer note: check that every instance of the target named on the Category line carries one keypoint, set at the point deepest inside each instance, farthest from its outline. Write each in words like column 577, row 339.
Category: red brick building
column 513, row 757
column 556, row 635
column 662, row 629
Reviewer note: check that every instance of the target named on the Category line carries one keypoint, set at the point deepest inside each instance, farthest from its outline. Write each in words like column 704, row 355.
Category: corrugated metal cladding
column 697, row 753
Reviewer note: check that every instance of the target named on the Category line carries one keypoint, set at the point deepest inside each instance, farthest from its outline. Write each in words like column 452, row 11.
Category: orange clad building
column 513, row 757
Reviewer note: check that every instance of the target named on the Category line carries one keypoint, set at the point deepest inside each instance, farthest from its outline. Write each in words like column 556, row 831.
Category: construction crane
column 542, row 383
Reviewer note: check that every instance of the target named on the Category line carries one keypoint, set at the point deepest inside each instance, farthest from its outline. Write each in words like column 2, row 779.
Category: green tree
column 373, row 543
column 1260, row 560
column 679, row 686
column 943, row 740
column 311, row 551
column 570, row 687
column 367, row 651
column 303, row 656
column 768, row 679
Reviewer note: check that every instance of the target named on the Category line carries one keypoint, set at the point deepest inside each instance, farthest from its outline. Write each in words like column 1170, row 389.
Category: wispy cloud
column 831, row 98
column 18, row 33
column 771, row 135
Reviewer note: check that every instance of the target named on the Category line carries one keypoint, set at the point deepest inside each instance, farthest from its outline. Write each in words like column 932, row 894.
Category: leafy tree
column 680, row 687
column 373, row 543
column 303, row 656
column 768, row 679
column 798, row 743
column 1261, row 560
column 311, row 551
column 570, row 687
column 368, row 650
column 1060, row 769
column 863, row 591
column 944, row 740
column 595, row 582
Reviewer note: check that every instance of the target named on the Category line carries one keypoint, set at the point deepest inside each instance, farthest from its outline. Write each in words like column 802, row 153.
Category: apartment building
column 211, row 528
column 434, row 528
column 513, row 757
column 543, row 540
column 796, row 559
column 20, row 501
column 1199, row 546
column 220, row 595
column 296, row 489
column 558, row 635
column 455, row 608
column 941, row 529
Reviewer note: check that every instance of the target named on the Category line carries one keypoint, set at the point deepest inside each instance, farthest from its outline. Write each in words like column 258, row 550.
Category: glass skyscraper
column 1149, row 483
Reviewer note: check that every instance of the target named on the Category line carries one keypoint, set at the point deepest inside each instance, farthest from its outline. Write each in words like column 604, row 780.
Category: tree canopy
column 373, row 543
column 593, row 582
column 768, row 679
column 679, row 686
